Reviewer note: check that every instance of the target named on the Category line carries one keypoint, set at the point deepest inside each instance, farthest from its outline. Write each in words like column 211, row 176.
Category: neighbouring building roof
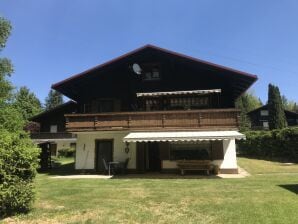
column 265, row 107
column 175, row 136
column 65, row 107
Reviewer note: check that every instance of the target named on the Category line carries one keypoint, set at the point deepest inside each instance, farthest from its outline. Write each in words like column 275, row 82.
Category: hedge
column 18, row 163
column 67, row 152
column 277, row 143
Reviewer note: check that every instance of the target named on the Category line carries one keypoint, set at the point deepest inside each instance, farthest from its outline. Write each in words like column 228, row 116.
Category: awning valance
column 172, row 136
column 187, row 92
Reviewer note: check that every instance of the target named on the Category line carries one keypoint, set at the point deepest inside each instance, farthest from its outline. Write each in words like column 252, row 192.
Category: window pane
column 190, row 151
column 53, row 128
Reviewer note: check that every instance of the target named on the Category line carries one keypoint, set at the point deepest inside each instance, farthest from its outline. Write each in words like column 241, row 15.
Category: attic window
column 151, row 72
column 53, row 129
column 264, row 113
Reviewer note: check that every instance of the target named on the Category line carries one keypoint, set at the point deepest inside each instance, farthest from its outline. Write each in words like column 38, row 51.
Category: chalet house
column 51, row 134
column 260, row 118
column 155, row 109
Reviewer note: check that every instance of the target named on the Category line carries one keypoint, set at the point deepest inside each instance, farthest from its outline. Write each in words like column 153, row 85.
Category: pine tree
column 246, row 103
column 27, row 103
column 53, row 99
column 277, row 117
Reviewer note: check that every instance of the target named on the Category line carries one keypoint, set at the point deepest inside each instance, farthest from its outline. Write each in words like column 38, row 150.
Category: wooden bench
column 194, row 165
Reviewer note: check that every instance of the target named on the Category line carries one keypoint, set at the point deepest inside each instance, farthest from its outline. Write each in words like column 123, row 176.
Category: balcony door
column 103, row 150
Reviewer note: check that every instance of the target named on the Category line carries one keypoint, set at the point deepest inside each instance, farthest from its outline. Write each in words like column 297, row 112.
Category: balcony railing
column 49, row 135
column 188, row 119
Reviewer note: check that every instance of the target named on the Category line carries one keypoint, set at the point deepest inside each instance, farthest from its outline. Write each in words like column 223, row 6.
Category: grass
column 267, row 198
column 255, row 166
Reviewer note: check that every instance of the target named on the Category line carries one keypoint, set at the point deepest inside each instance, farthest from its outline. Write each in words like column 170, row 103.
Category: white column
column 230, row 160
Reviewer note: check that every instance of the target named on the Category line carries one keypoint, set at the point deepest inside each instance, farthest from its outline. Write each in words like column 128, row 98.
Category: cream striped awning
column 187, row 92
column 176, row 136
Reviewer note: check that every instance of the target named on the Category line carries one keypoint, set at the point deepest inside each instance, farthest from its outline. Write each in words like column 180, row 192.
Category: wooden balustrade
column 155, row 120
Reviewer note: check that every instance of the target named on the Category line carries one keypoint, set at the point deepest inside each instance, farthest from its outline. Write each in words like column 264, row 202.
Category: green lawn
column 268, row 196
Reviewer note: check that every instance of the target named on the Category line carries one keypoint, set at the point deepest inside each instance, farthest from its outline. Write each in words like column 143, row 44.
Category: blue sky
column 53, row 39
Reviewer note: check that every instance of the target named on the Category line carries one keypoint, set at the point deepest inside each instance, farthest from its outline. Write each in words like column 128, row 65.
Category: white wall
column 85, row 151
column 230, row 160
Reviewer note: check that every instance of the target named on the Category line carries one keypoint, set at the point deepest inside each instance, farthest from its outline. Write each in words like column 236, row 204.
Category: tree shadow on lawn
column 282, row 160
column 68, row 169
column 160, row 175
column 61, row 170
column 290, row 187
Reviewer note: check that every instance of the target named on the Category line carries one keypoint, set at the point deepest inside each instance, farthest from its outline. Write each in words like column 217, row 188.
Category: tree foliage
column 27, row 103
column 5, row 65
column 18, row 155
column 53, row 99
column 277, row 117
column 245, row 103
column 289, row 104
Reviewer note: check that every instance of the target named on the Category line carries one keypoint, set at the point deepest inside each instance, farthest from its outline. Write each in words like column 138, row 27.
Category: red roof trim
column 156, row 48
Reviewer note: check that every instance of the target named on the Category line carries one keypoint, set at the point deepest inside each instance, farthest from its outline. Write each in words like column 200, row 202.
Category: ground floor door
column 103, row 151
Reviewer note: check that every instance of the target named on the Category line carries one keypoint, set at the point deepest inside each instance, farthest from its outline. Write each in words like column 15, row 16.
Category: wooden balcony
column 49, row 135
column 157, row 120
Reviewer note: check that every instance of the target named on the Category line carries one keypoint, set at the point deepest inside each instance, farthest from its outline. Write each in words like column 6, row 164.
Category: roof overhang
column 172, row 93
column 187, row 136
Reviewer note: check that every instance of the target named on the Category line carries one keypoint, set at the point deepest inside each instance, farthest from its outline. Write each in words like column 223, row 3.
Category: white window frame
column 265, row 124
column 54, row 128
column 264, row 113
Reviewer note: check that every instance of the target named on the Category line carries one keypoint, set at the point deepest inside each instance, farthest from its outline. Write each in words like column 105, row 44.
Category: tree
column 245, row 103
column 18, row 155
column 53, row 99
column 27, row 103
column 277, row 117
column 289, row 104
column 5, row 65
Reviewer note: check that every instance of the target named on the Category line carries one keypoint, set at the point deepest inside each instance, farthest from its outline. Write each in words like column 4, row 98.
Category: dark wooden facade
column 55, row 117
column 260, row 116
column 106, row 95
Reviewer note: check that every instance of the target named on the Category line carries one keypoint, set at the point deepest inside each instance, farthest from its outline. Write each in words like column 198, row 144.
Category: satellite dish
column 136, row 68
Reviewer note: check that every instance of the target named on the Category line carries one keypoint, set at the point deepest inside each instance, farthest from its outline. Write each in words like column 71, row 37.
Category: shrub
column 276, row 143
column 67, row 152
column 18, row 163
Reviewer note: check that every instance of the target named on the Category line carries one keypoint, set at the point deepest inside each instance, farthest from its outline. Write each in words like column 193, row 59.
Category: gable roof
column 247, row 78
column 62, row 107
column 56, row 85
column 266, row 106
